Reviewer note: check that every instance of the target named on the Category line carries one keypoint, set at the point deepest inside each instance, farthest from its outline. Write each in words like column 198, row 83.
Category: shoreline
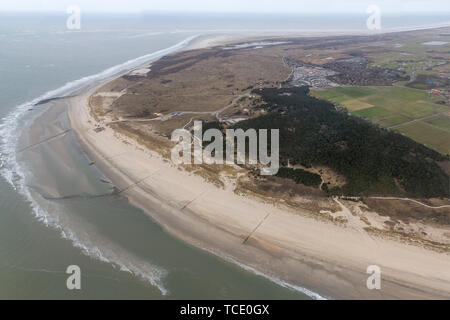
column 217, row 38
column 271, row 252
column 326, row 258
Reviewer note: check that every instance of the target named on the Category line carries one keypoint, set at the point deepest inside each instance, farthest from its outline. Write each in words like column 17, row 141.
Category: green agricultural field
column 440, row 121
column 428, row 135
column 372, row 112
column 407, row 110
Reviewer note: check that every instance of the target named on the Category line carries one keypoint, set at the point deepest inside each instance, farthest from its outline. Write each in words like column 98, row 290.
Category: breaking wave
column 309, row 293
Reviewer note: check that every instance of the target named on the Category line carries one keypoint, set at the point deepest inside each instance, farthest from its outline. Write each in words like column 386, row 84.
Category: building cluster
column 312, row 76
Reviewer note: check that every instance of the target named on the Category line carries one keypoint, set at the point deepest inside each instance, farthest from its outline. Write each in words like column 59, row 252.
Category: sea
column 120, row 251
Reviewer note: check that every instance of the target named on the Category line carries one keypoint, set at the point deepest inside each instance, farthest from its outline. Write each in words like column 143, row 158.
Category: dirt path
column 292, row 71
column 415, row 120
column 217, row 112
column 178, row 113
column 412, row 200
column 401, row 199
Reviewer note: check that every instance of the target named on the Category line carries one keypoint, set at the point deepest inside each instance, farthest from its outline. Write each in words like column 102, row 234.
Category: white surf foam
column 119, row 258
column 280, row 282
column 16, row 174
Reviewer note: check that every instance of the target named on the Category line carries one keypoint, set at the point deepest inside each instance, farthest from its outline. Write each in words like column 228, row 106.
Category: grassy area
column 428, row 135
column 411, row 55
column 372, row 112
column 396, row 106
column 440, row 121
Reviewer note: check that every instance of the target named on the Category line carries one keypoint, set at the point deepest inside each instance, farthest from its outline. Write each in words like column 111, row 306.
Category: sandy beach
column 290, row 248
column 93, row 208
column 320, row 256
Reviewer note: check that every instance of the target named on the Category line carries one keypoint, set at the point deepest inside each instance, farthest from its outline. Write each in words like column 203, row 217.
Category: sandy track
column 412, row 200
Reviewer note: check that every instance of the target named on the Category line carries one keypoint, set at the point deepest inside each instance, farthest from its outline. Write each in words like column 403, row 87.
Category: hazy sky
column 255, row 6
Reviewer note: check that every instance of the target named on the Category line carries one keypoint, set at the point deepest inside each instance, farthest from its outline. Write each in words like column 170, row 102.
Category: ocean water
column 121, row 252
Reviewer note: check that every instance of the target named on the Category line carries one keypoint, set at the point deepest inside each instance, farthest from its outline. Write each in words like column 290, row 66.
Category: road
column 419, row 119
column 166, row 117
column 412, row 200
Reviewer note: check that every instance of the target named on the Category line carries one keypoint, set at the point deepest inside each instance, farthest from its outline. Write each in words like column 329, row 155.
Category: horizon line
column 313, row 13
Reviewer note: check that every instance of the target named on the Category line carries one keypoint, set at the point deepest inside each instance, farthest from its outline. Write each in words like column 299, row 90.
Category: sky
column 245, row 6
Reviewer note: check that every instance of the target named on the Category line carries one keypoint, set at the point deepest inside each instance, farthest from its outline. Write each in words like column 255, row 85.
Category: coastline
column 221, row 38
column 283, row 256
column 295, row 249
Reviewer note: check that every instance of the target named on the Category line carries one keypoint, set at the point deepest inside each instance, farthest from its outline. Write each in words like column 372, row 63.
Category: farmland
column 412, row 112
column 268, row 87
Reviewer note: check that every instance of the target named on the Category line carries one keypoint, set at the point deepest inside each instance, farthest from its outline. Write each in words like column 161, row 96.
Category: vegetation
column 373, row 160
column 396, row 107
column 301, row 176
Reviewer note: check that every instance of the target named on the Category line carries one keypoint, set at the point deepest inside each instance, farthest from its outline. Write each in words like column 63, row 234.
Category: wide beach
column 292, row 248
